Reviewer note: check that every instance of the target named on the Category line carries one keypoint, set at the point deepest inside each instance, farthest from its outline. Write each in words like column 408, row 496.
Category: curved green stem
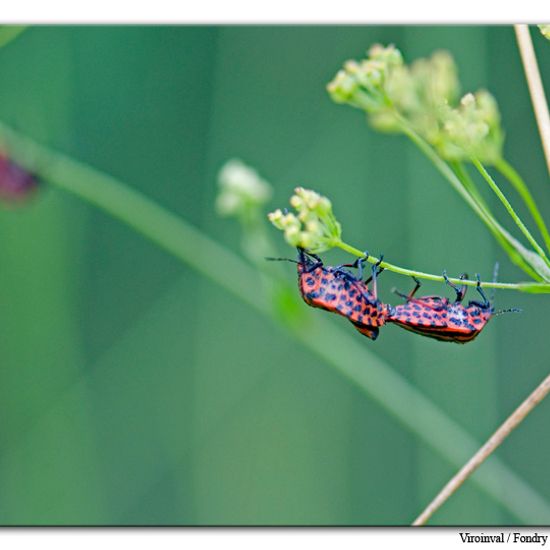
column 508, row 206
column 463, row 175
column 421, row 275
column 532, row 288
column 511, row 174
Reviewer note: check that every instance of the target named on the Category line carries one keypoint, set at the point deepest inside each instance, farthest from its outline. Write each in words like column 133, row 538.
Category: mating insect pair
column 336, row 289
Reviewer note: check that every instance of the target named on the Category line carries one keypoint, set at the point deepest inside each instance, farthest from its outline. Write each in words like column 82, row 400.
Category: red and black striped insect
column 16, row 183
column 337, row 290
column 437, row 317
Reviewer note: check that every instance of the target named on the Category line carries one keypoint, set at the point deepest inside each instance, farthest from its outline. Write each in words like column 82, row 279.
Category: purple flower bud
column 16, row 184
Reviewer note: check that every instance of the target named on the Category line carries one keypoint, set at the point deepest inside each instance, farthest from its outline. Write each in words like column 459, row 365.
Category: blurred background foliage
column 134, row 391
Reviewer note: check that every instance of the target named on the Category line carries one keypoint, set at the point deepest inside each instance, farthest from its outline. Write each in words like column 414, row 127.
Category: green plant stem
column 363, row 368
column 487, row 177
column 463, row 175
column 421, row 274
column 470, row 186
column 511, row 174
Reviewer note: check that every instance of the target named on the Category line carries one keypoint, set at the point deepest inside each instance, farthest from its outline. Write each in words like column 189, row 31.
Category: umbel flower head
column 417, row 93
column 423, row 97
column 362, row 84
column 385, row 88
column 313, row 227
column 472, row 129
column 241, row 189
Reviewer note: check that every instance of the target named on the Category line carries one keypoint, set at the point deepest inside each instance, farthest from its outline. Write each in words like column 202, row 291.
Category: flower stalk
column 511, row 174
column 486, row 176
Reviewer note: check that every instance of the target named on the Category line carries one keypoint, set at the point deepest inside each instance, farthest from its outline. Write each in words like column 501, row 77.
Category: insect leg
column 408, row 296
column 357, row 264
column 375, row 273
column 460, row 290
column 486, row 302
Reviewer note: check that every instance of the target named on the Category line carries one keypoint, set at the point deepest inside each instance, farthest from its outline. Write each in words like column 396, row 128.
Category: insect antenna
column 269, row 259
column 510, row 310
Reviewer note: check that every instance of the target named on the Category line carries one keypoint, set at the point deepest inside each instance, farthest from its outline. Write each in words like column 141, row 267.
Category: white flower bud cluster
column 418, row 93
column 361, row 83
column 241, row 188
column 384, row 87
column 313, row 227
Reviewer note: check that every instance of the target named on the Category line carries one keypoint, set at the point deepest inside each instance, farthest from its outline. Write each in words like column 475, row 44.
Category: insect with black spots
column 439, row 318
column 369, row 313
column 337, row 290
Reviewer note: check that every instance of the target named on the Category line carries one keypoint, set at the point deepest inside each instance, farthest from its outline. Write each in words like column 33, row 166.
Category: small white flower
column 241, row 188
column 227, row 204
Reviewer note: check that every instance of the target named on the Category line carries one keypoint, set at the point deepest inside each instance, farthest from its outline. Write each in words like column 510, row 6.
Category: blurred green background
column 133, row 391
